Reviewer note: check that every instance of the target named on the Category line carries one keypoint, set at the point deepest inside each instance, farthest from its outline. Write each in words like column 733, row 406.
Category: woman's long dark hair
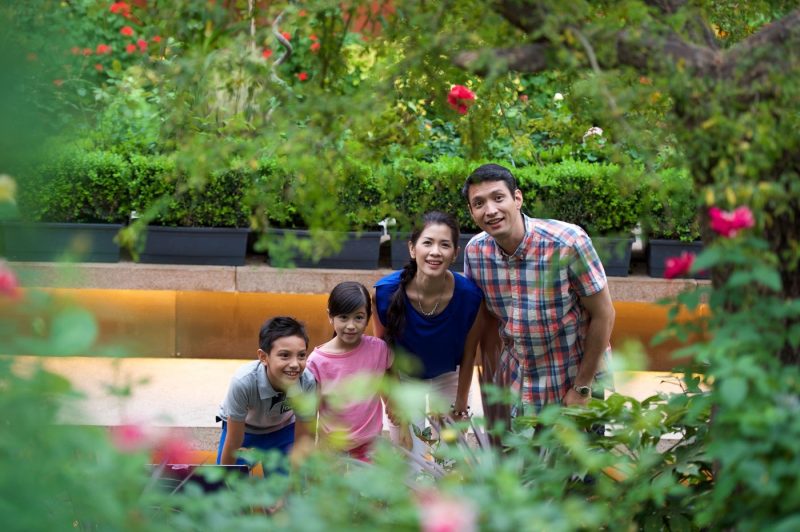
column 348, row 297
column 396, row 313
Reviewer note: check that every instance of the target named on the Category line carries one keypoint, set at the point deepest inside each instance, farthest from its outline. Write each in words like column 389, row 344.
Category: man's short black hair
column 489, row 172
column 280, row 327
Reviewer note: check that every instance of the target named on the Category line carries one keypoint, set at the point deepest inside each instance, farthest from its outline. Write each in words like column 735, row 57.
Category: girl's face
column 434, row 251
column 350, row 327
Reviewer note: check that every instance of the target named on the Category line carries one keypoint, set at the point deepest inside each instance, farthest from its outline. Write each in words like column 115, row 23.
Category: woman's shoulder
column 467, row 285
column 389, row 280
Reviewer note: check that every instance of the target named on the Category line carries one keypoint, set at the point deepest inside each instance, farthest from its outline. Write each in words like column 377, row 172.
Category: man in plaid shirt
column 544, row 283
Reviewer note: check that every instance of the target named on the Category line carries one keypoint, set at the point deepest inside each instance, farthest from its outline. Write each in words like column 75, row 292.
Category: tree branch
column 531, row 57
column 766, row 50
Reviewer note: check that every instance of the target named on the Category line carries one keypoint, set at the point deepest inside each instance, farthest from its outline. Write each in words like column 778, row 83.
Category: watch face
column 583, row 390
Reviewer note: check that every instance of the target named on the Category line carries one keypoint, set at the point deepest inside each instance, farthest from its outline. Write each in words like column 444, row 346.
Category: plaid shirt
column 535, row 294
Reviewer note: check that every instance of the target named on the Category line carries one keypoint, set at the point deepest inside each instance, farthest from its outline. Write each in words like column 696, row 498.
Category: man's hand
column 573, row 398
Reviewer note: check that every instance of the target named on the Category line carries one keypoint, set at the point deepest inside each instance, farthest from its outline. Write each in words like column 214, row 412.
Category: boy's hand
column 301, row 450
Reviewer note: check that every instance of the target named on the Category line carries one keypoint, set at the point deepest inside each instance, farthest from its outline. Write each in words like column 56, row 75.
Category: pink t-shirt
column 363, row 421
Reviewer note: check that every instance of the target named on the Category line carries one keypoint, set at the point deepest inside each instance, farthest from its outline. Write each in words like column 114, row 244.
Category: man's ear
column 518, row 198
column 262, row 356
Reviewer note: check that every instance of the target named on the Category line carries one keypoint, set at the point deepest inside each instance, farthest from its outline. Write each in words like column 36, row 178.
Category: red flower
column 142, row 44
column 103, row 49
column 267, row 53
column 130, row 48
column 121, row 8
column 156, row 38
column 728, row 224
column 302, row 13
column 75, row 50
column 460, row 98
column 58, row 82
column 678, row 266
column 126, row 31
column 523, row 98
column 129, row 438
column 9, row 286
column 443, row 513
column 98, row 67
column 302, row 76
column 313, row 37
column 287, row 35
column 315, row 47
column 87, row 51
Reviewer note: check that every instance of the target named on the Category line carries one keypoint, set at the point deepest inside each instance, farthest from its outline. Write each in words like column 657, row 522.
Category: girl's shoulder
column 373, row 342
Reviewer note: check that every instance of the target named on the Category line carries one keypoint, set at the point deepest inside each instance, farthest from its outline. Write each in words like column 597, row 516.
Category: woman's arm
column 378, row 329
column 467, row 368
column 233, row 441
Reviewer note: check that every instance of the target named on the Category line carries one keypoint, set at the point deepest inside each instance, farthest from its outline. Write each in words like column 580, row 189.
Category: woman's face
column 434, row 251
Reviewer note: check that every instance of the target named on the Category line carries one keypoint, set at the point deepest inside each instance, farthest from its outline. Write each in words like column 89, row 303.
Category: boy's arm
column 233, row 441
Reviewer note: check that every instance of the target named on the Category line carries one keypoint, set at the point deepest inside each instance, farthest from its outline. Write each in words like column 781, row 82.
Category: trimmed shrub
column 77, row 186
column 670, row 207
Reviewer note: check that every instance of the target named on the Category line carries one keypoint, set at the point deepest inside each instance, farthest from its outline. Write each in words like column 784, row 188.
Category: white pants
column 445, row 386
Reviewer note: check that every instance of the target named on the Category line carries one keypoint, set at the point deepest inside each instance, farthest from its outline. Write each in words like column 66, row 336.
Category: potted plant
column 416, row 187
column 72, row 207
column 333, row 224
column 671, row 222
column 598, row 197
column 203, row 223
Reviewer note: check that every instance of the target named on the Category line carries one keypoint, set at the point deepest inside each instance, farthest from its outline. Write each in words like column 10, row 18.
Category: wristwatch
column 583, row 391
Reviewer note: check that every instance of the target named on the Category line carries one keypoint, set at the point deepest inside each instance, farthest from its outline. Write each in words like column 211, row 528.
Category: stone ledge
column 259, row 277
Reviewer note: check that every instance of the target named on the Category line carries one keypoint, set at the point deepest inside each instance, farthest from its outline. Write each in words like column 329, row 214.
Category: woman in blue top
column 432, row 314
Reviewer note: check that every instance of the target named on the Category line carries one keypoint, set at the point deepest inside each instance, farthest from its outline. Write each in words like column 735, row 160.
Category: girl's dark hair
column 348, row 297
column 396, row 313
column 280, row 327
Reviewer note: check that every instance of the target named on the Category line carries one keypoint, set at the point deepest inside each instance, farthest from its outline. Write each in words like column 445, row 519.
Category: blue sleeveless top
column 436, row 341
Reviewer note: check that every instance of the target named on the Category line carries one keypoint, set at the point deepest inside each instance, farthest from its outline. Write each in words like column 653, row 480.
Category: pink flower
column 678, row 266
column 9, row 286
column 267, row 53
column 126, row 31
column 156, row 38
column 172, row 450
column 460, row 98
column 98, row 67
column 121, row 8
column 523, row 98
column 315, row 47
column 440, row 513
column 87, row 51
column 58, row 82
column 75, row 50
column 142, row 44
column 103, row 49
column 129, row 438
column 728, row 224
column 130, row 48
column 302, row 76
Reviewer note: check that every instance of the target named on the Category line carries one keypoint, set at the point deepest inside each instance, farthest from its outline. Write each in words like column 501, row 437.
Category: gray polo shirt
column 252, row 399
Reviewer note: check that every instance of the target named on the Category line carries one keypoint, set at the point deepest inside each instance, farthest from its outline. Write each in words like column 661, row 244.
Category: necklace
column 435, row 307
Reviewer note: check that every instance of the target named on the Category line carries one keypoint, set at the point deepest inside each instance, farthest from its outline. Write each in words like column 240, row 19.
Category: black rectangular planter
column 658, row 251
column 615, row 254
column 216, row 246
column 50, row 242
column 360, row 251
column 400, row 256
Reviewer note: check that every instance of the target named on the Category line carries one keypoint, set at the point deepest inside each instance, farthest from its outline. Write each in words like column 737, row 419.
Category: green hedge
column 77, row 186
column 671, row 207
column 599, row 197
column 99, row 186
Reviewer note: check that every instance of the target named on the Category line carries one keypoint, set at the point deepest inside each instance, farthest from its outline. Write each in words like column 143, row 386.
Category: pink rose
column 9, row 286
column 678, row 266
column 728, row 224
column 460, row 98
column 441, row 513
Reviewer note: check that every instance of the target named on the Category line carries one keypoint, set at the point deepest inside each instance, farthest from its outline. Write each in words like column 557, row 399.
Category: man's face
column 285, row 361
column 496, row 210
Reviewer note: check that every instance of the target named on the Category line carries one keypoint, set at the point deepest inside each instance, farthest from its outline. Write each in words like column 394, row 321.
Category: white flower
column 594, row 130
column 557, row 97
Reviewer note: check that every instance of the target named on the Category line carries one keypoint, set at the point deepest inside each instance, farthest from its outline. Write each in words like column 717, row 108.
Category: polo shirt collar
column 265, row 389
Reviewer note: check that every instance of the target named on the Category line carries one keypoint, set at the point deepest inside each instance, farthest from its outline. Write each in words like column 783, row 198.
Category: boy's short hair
column 489, row 172
column 280, row 327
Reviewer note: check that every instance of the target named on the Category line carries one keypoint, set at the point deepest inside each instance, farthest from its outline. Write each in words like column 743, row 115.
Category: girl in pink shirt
column 350, row 361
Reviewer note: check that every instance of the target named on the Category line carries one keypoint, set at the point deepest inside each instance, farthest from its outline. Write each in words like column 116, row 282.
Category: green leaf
column 733, row 390
column 73, row 331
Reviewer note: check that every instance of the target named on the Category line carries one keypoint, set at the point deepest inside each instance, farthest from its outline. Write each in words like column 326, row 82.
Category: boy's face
column 285, row 361
column 496, row 210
